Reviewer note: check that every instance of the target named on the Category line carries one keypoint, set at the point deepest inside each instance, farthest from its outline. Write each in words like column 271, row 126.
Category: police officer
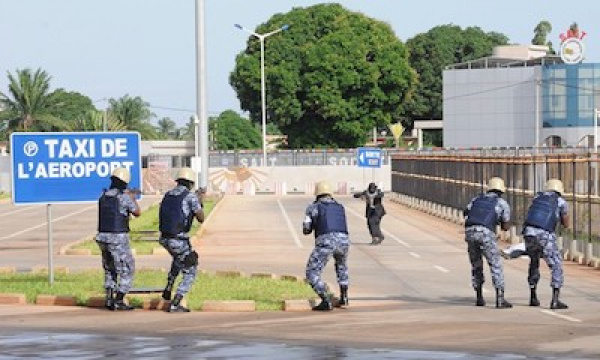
column 374, row 211
column 114, row 207
column 547, row 209
column 177, row 211
column 327, row 218
column 484, row 213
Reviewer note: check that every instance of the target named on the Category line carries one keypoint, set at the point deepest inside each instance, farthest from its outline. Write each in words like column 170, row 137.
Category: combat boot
column 176, row 306
column 533, row 299
column 480, row 301
column 119, row 304
column 343, row 296
column 325, row 305
column 500, row 302
column 109, row 301
column 557, row 304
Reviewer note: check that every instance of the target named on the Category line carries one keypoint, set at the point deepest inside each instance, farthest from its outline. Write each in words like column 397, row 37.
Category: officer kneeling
column 327, row 218
column 177, row 211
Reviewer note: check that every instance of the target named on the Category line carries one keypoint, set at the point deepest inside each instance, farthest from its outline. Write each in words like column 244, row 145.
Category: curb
column 56, row 300
column 78, row 252
column 229, row 273
column 229, row 305
column 291, row 278
column 44, row 270
column 298, row 305
column 263, row 276
column 11, row 299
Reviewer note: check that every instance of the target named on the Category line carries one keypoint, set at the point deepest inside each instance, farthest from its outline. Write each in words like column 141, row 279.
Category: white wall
column 5, row 173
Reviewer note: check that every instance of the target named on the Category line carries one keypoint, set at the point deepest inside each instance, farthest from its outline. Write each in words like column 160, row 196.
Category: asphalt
column 409, row 297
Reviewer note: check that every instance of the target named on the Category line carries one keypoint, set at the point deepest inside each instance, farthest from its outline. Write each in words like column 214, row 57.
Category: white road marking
column 442, row 269
column 289, row 224
column 385, row 232
column 415, row 255
column 46, row 222
column 561, row 316
column 19, row 210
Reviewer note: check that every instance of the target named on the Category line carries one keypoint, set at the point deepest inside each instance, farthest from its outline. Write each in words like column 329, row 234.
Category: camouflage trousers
column 482, row 245
column 544, row 245
column 179, row 250
column 118, row 265
column 328, row 245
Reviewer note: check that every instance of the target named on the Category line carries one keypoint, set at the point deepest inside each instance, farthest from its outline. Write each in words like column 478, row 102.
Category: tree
column 233, row 132
column 541, row 31
column 94, row 120
column 430, row 52
column 69, row 105
column 330, row 78
column 28, row 104
column 167, row 129
column 135, row 114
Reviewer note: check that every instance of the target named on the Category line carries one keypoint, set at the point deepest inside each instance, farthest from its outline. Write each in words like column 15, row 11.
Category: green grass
column 4, row 195
column 146, row 226
column 267, row 293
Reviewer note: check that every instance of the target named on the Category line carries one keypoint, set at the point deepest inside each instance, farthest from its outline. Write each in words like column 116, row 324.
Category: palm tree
column 27, row 103
column 167, row 128
column 134, row 113
column 96, row 120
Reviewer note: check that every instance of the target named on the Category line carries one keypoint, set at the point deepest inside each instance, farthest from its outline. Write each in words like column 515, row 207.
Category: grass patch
column 267, row 293
column 146, row 227
column 4, row 195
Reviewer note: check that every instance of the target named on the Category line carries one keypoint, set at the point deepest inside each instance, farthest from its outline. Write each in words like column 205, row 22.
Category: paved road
column 410, row 293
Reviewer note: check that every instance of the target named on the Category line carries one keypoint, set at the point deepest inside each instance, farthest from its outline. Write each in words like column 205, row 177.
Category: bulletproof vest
column 332, row 218
column 542, row 212
column 110, row 219
column 483, row 212
column 172, row 219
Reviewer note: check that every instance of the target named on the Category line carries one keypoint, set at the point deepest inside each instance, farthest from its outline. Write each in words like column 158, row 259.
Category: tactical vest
column 483, row 213
column 171, row 217
column 110, row 219
column 542, row 212
column 332, row 218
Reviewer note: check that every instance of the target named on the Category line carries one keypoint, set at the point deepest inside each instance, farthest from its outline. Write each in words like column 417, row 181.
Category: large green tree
column 28, row 103
column 135, row 114
column 69, row 105
column 540, row 35
column 233, row 132
column 441, row 46
column 330, row 78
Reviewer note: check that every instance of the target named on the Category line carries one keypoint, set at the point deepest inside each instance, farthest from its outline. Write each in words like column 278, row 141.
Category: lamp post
column 263, row 97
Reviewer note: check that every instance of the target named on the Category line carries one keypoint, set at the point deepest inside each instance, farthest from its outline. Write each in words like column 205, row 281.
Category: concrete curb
column 229, row 306
column 78, row 252
column 229, row 273
column 56, row 300
column 298, row 305
column 291, row 278
column 44, row 269
column 9, row 299
column 263, row 276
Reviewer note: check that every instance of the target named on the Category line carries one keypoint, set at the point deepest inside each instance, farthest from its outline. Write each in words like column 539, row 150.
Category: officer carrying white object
column 547, row 209
column 327, row 218
column 484, row 213
column 178, row 209
column 114, row 207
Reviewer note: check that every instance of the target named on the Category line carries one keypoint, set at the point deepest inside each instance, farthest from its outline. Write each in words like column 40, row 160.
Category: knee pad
column 191, row 259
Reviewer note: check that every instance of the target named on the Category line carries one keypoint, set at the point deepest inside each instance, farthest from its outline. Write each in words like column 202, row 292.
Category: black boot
column 325, row 305
column 479, row 292
column 176, row 306
column 533, row 300
column 500, row 302
column 119, row 304
column 557, row 304
column 109, row 301
column 343, row 296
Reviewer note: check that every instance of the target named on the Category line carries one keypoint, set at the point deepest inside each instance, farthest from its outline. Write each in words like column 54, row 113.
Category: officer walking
column 374, row 211
column 114, row 207
column 177, row 211
column 547, row 209
column 484, row 213
column 327, row 218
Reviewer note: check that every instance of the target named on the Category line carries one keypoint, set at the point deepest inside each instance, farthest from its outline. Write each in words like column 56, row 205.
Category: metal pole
column 201, row 92
column 537, row 113
column 50, row 251
column 263, row 100
column 596, row 115
column 104, row 121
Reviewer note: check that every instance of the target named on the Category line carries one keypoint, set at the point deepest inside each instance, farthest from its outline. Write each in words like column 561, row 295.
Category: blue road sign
column 70, row 167
column 369, row 157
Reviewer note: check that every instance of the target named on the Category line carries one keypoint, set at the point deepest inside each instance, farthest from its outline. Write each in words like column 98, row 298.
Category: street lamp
column 262, row 38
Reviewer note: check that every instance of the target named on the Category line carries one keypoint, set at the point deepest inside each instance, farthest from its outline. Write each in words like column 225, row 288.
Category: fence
column 453, row 179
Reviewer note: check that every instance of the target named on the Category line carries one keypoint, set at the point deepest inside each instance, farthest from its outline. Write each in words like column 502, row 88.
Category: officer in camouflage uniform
column 327, row 218
column 114, row 207
column 547, row 209
column 177, row 211
column 484, row 213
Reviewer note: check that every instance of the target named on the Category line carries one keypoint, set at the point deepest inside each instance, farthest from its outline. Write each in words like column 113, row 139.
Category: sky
column 109, row 48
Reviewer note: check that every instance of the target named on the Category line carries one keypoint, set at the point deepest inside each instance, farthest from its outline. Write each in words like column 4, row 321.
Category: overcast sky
column 109, row 48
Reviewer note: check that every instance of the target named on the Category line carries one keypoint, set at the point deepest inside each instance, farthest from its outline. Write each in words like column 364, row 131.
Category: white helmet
column 497, row 184
column 186, row 174
column 555, row 185
column 322, row 188
column 122, row 174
